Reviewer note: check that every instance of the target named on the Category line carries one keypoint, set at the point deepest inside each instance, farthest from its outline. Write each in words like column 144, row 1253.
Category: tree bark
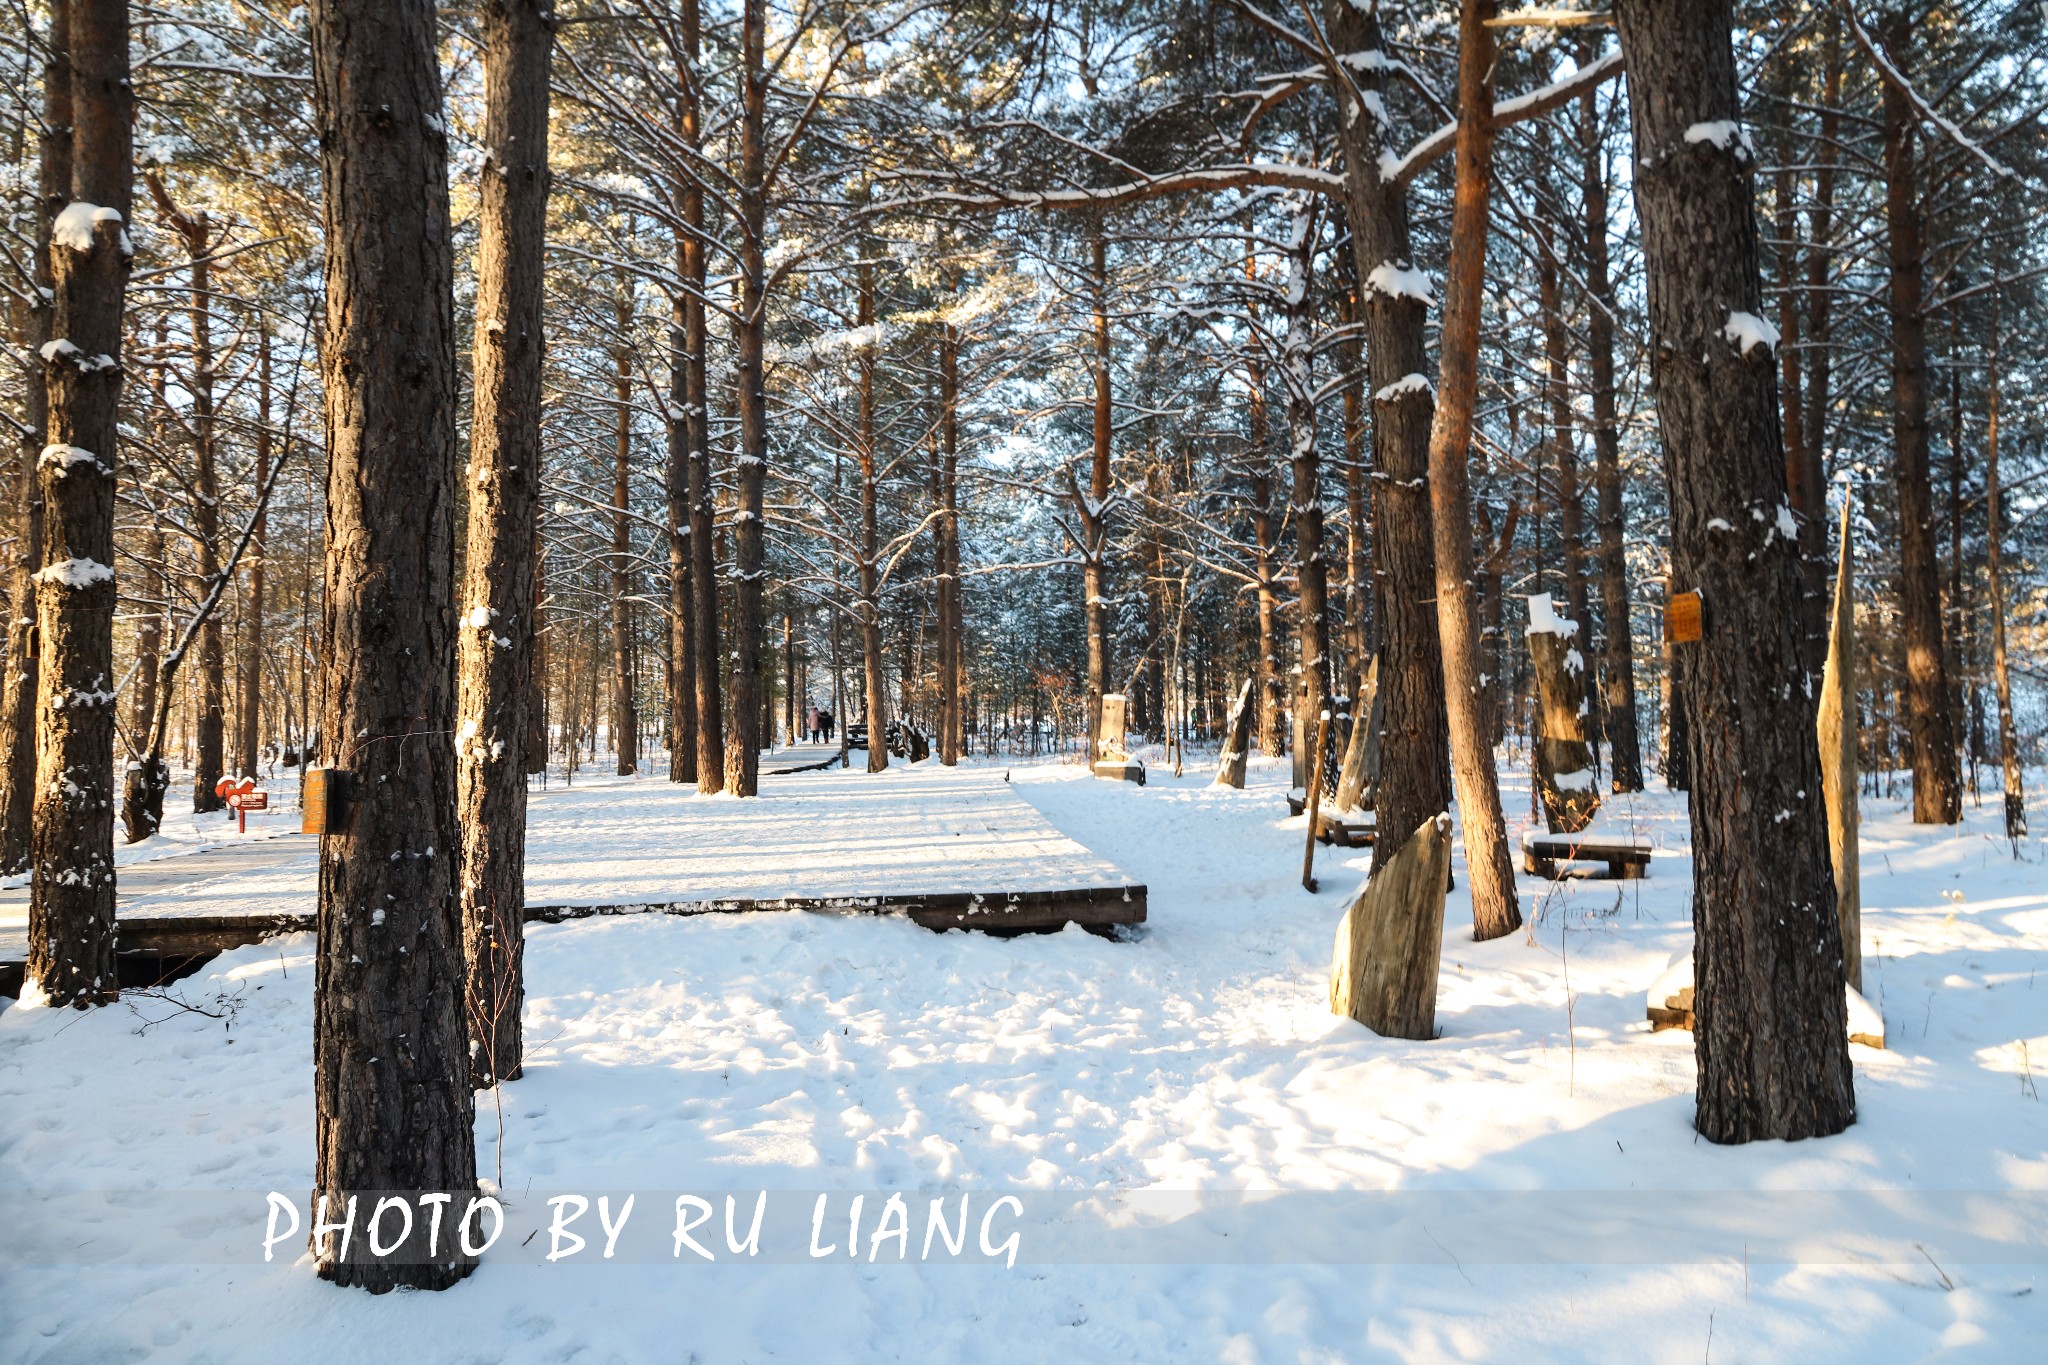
column 392, row 1073
column 1495, row 908
column 71, row 901
column 873, row 683
column 1272, row 702
column 1994, row 573
column 1937, row 798
column 495, row 648
column 1312, row 591
column 195, row 229
column 249, row 658
column 1770, row 1033
column 682, row 658
column 951, row 627
column 1415, row 783
column 1095, row 513
column 704, row 626
column 19, row 683
column 743, row 755
column 625, row 716
column 1836, row 731
column 1624, row 746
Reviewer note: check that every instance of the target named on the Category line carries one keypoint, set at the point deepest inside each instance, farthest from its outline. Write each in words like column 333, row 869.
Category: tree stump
column 1390, row 942
column 1237, row 738
column 1564, row 762
column 1360, row 772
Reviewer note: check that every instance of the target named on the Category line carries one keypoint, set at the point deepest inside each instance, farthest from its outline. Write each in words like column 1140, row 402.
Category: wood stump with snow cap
column 1564, row 761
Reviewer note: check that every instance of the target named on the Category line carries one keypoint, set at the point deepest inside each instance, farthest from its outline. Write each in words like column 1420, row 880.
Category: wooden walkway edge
column 153, row 947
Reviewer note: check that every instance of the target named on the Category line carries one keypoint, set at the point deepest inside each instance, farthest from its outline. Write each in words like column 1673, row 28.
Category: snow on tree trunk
column 1415, row 783
column 71, row 904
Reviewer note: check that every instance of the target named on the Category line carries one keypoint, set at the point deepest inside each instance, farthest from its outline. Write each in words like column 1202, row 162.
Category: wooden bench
column 1627, row 856
column 1354, row 832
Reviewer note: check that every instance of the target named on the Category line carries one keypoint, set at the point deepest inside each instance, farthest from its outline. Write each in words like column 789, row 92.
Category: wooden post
column 1315, row 802
column 1389, row 942
column 1836, row 727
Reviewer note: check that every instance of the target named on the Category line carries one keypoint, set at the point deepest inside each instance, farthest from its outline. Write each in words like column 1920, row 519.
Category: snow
column 65, row 456
column 74, row 223
column 1723, row 133
column 1400, row 282
column 75, row 573
column 1544, row 618
column 1209, row 1166
column 1746, row 331
column 1578, row 780
column 1407, row 383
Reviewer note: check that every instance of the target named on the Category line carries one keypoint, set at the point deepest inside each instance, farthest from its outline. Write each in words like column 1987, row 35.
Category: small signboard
column 324, row 803
column 1684, row 618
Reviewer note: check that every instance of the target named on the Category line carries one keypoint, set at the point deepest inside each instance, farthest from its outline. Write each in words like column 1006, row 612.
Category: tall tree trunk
column 1571, row 512
column 952, row 642
column 18, row 684
column 1357, row 504
column 71, row 900
column 1094, row 513
column 1495, row 908
column 1625, row 754
column 1311, row 575
column 1937, row 799
column 495, row 648
column 704, row 627
column 873, row 685
column 1770, row 1030
column 743, row 756
column 195, row 229
column 1272, row 725
column 391, row 1064
column 1994, row 573
column 1415, row 783
column 1818, row 350
column 249, row 660
column 682, row 658
column 625, row 716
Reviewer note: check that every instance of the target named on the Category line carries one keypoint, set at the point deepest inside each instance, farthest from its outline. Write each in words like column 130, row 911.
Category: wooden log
column 1564, row 762
column 1390, row 942
column 1237, row 739
column 1315, row 802
column 1836, row 728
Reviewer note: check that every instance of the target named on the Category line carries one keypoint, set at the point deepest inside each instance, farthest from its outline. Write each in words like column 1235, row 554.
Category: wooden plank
column 1095, row 908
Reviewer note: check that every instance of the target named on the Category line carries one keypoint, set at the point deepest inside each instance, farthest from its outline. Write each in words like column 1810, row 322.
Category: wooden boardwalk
column 946, row 848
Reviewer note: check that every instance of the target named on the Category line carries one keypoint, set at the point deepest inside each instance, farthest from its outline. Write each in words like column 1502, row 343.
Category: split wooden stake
column 1315, row 801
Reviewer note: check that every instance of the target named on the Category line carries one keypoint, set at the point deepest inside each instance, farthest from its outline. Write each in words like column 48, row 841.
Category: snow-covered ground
column 803, row 1053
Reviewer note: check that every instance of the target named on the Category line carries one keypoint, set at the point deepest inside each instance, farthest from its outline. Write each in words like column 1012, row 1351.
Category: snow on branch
column 1898, row 81
column 1399, row 170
